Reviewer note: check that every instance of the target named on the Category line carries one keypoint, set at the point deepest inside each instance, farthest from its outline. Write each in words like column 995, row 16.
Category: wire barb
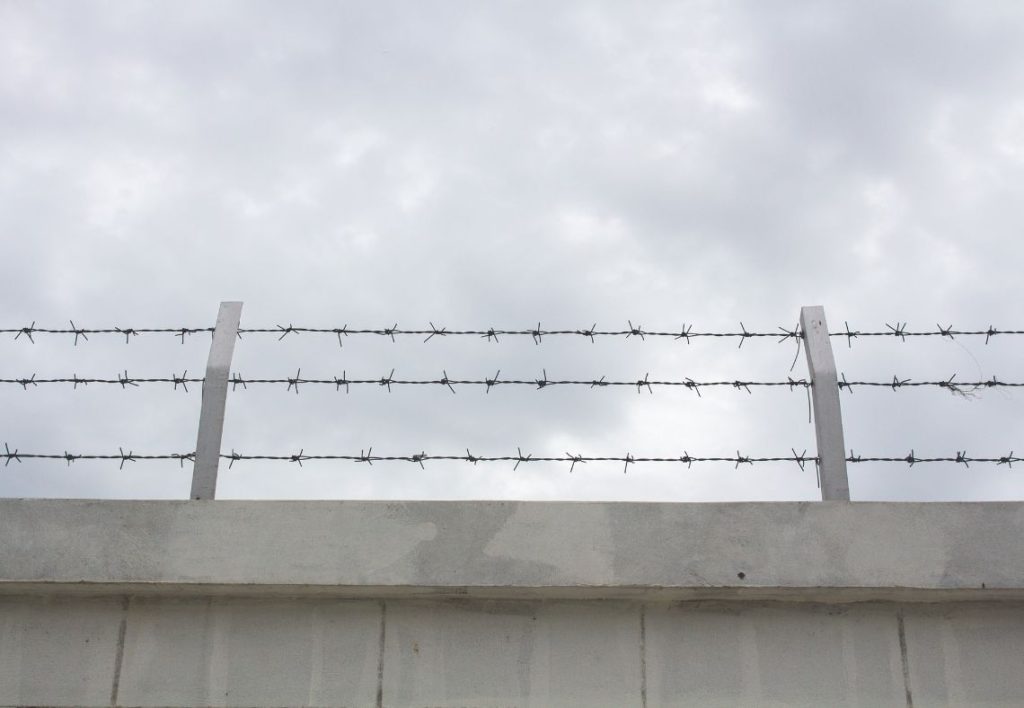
column 588, row 332
column 183, row 380
column 436, row 332
column 644, row 382
column 78, row 333
column 694, row 386
column 574, row 459
column 25, row 383
column 445, row 382
column 794, row 333
column 520, row 458
column 180, row 333
column 844, row 384
column 341, row 331
column 744, row 335
column 10, row 455
column 343, row 381
column 27, row 331
column 125, row 458
column 849, row 335
column 899, row 330
column 541, row 383
column 897, row 383
column 492, row 382
column 800, row 459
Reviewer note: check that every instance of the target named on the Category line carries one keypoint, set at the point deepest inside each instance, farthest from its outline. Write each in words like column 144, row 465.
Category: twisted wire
column 368, row 457
column 293, row 383
column 898, row 330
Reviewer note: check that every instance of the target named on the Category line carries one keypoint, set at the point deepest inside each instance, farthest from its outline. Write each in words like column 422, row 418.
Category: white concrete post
column 215, row 393
column 828, row 418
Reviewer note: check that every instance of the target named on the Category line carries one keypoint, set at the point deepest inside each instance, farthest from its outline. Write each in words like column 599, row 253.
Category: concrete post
column 828, row 418
column 215, row 392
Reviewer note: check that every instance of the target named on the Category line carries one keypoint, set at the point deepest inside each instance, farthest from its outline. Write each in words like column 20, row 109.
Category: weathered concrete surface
column 229, row 651
column 58, row 651
column 510, row 604
column 200, row 651
column 966, row 655
column 830, row 551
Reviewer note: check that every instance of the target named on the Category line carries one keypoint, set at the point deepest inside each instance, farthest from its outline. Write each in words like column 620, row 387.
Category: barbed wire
column 69, row 457
column 537, row 333
column 84, row 332
column 367, row 456
column 294, row 382
column 686, row 333
column 899, row 330
column 123, row 380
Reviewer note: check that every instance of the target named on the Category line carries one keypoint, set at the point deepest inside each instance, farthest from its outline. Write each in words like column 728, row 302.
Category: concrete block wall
column 244, row 651
column 491, row 604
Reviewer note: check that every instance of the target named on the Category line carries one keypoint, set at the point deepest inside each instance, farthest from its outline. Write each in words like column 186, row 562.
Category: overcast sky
column 497, row 164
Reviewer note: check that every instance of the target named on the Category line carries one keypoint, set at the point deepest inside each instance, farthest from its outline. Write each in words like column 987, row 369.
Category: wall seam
column 643, row 656
column 380, row 659
column 119, row 658
column 904, row 659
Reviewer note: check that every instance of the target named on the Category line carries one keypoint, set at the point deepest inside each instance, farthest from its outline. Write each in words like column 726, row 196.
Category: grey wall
column 510, row 604
column 247, row 651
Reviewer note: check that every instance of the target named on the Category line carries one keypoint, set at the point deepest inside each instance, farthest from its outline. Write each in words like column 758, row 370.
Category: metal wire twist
column 537, row 334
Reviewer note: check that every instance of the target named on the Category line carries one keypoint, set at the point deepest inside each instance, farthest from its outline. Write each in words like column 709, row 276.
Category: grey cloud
column 492, row 165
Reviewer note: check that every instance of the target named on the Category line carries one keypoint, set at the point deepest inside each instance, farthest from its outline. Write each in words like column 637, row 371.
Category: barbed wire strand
column 686, row 333
column 293, row 383
column 367, row 456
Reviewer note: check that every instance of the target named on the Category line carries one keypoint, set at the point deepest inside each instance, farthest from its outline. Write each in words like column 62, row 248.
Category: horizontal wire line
column 387, row 381
column 368, row 457
column 781, row 333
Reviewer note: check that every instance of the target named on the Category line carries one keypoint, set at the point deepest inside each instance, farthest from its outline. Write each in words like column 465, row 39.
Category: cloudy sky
column 483, row 165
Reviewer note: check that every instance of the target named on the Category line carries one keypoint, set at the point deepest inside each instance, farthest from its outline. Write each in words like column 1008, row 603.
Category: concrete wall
column 510, row 604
